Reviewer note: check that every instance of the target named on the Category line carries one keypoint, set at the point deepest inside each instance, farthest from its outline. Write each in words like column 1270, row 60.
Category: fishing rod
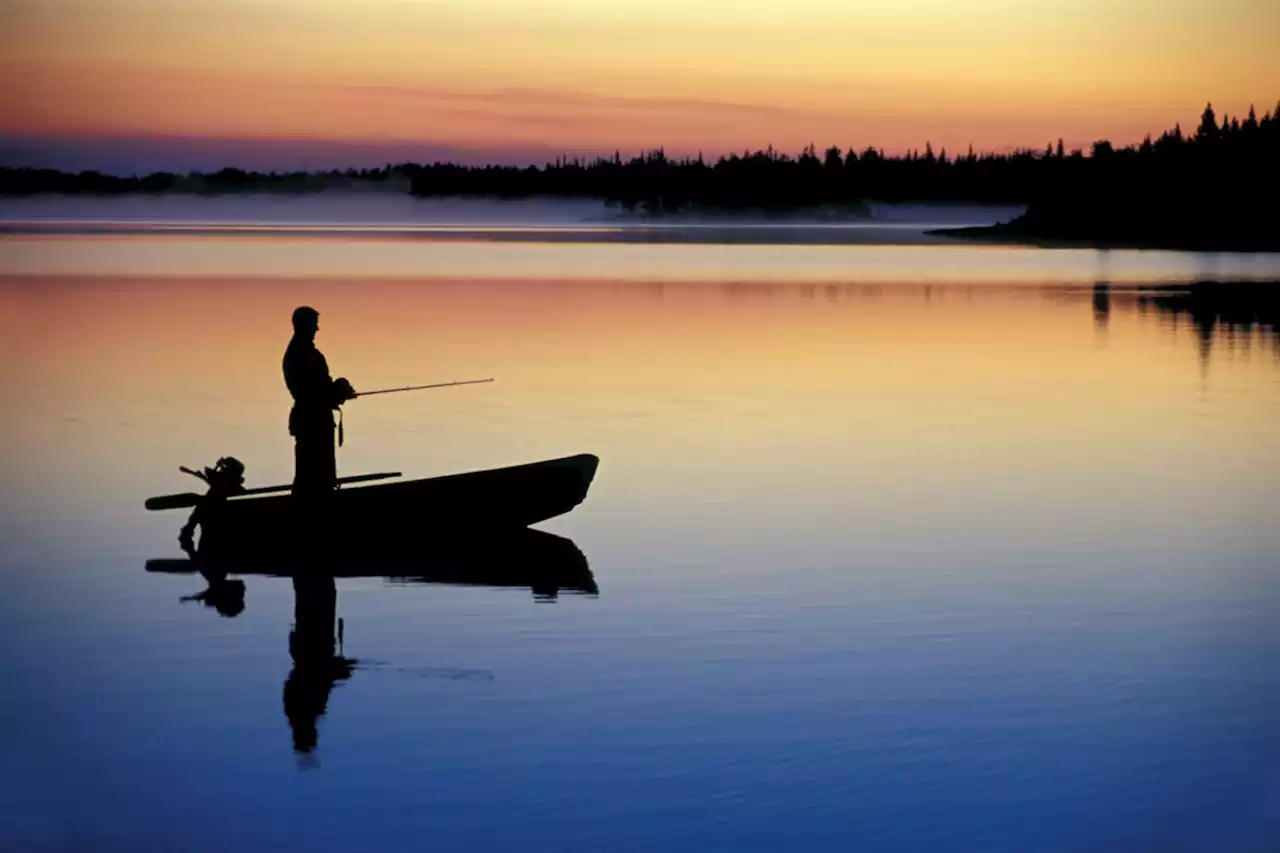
column 342, row 430
column 422, row 387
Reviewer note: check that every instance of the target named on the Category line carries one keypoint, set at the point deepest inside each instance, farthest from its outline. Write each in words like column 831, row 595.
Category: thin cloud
column 563, row 98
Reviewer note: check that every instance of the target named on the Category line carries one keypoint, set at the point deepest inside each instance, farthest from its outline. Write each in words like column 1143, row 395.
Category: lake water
column 900, row 545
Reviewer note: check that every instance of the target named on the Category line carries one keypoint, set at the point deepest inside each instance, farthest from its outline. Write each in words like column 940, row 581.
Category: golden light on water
column 779, row 377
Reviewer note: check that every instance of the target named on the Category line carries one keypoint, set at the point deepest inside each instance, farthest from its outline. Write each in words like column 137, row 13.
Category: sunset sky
column 354, row 82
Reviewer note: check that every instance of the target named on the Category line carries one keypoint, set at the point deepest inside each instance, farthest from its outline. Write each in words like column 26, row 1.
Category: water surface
column 896, row 550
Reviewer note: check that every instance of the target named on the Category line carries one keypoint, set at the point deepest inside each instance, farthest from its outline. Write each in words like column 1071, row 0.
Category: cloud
column 559, row 99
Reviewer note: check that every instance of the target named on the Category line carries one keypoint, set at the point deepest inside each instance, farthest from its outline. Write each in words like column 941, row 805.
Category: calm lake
column 900, row 544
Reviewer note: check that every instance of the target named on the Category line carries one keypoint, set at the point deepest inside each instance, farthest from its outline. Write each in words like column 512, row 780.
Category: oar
column 190, row 499
column 422, row 387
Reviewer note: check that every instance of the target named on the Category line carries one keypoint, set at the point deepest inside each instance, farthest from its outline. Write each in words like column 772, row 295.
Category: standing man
column 315, row 396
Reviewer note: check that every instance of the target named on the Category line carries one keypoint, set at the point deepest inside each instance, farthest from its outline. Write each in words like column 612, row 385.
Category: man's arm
column 307, row 374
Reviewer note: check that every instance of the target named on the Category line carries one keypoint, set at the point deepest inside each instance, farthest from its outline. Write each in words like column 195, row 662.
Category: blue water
column 965, row 567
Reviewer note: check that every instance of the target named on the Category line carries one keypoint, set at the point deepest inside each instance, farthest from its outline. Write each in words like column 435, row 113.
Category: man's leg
column 315, row 468
column 302, row 476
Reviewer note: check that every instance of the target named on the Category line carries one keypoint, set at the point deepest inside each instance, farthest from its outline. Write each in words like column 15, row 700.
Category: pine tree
column 1208, row 124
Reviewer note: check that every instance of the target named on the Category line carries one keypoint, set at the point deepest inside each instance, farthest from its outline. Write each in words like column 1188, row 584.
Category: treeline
column 1167, row 190
column 31, row 181
column 1217, row 188
column 766, row 180
column 651, row 182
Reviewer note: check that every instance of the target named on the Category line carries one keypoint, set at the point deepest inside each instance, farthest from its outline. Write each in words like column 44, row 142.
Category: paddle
column 190, row 499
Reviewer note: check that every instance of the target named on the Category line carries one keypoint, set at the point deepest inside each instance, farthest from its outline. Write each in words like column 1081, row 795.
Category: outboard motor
column 225, row 478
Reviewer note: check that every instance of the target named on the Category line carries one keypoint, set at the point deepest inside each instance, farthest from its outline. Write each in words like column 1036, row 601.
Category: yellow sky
column 590, row 75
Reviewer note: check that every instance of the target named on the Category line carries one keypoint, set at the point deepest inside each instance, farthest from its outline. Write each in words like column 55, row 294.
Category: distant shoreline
column 638, row 231
column 1013, row 233
column 1213, row 190
column 726, row 228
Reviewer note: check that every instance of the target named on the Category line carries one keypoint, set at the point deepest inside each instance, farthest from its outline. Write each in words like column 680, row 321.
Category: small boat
column 456, row 505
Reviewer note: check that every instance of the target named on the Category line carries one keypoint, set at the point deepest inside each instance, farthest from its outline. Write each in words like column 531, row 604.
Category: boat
column 453, row 506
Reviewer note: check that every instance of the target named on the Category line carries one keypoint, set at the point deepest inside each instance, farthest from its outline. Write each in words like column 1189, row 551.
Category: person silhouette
column 315, row 396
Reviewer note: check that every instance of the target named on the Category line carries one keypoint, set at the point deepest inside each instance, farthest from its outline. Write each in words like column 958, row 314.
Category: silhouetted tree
column 1213, row 190
column 1208, row 129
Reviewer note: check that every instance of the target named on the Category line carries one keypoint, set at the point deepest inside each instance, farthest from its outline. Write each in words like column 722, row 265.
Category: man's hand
column 342, row 390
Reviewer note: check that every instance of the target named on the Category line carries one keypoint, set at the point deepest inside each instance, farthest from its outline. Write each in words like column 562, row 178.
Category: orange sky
column 583, row 75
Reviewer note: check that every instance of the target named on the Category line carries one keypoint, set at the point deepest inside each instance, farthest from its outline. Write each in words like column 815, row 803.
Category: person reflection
column 318, row 662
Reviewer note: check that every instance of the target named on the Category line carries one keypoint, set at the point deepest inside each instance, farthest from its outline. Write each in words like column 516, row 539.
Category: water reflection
column 1232, row 311
column 318, row 659
column 224, row 595
column 857, row 549
column 1237, row 313
column 1101, row 306
column 544, row 563
column 814, row 255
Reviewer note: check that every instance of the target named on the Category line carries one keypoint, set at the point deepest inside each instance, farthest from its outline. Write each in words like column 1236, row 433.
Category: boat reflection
column 544, row 563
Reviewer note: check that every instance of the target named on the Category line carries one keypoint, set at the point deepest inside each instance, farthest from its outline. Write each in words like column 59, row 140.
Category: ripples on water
column 888, row 557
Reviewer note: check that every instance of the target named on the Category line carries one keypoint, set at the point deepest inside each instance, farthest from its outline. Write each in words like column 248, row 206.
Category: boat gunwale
column 580, row 461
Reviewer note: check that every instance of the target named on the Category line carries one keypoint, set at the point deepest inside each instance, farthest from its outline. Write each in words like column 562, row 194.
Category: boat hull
column 459, row 505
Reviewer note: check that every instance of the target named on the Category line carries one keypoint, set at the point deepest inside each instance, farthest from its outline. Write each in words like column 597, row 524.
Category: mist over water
column 395, row 207
column 897, row 547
